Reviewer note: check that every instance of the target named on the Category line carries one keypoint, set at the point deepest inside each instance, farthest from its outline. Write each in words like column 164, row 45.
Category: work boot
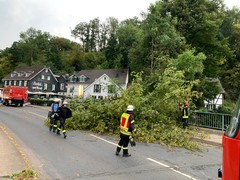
column 117, row 153
column 64, row 135
column 50, row 128
column 58, row 132
column 126, row 155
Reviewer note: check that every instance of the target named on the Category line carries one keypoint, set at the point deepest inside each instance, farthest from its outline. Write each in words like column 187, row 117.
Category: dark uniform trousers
column 123, row 143
column 62, row 126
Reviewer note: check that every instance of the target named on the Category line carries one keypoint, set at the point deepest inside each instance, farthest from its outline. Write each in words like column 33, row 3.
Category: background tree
column 160, row 40
column 199, row 23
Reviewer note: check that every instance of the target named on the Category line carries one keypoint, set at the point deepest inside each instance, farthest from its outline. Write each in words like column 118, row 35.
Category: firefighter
column 53, row 115
column 64, row 112
column 127, row 127
column 185, row 113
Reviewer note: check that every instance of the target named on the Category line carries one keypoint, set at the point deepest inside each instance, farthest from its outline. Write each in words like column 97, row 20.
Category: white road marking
column 164, row 165
column 150, row 159
column 104, row 140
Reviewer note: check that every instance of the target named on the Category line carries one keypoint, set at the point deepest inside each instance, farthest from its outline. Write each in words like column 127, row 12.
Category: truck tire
column 21, row 104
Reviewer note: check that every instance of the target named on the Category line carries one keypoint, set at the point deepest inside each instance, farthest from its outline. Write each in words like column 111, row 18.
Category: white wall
column 218, row 101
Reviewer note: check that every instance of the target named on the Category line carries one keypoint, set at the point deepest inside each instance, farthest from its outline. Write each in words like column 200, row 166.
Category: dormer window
column 72, row 78
column 13, row 74
column 82, row 78
column 27, row 74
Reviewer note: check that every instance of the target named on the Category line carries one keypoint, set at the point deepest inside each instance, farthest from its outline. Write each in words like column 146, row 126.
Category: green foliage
column 227, row 107
column 25, row 174
column 155, row 112
column 190, row 63
column 41, row 102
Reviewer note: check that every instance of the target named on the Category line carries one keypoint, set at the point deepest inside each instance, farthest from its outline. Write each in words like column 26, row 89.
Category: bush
column 227, row 108
column 40, row 102
column 104, row 116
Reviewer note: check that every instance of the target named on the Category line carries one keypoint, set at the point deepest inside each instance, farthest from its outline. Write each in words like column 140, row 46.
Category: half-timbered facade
column 39, row 80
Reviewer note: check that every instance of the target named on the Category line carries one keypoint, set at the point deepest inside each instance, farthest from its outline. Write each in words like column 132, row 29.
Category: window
column 53, row 87
column 46, row 70
column 97, row 88
column 12, row 75
column 42, row 77
column 20, row 83
column 82, row 79
column 48, row 78
column 14, row 83
column 72, row 79
column 27, row 74
column 111, row 89
column 45, row 87
column 10, row 82
column 62, row 86
column 25, row 83
column 6, row 83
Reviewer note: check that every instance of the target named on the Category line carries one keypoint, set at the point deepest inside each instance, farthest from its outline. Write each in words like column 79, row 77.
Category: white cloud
column 58, row 16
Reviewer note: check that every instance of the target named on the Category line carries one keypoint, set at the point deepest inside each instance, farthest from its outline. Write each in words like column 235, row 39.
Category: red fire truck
column 15, row 95
column 231, row 148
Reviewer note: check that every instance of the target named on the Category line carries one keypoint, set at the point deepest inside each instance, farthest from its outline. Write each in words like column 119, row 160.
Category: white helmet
column 130, row 108
column 65, row 102
column 56, row 99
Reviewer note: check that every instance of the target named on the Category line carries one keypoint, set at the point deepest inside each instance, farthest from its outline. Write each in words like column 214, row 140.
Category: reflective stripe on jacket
column 185, row 112
column 125, row 123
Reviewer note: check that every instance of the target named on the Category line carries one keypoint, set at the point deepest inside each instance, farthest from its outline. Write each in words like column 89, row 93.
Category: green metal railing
column 210, row 120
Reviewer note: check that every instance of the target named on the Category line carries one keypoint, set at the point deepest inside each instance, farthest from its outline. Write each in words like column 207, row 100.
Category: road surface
column 85, row 155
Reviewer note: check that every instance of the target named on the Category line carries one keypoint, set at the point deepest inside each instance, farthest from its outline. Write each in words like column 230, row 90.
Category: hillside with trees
column 170, row 52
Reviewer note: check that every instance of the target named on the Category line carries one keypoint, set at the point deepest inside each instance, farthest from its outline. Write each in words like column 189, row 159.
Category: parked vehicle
column 15, row 95
column 231, row 148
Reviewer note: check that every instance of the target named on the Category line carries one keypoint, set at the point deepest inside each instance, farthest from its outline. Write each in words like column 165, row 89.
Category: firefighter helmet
column 130, row 108
column 65, row 102
column 56, row 100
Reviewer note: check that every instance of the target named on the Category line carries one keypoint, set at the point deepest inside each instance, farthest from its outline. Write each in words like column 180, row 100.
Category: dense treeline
column 172, row 52
column 199, row 38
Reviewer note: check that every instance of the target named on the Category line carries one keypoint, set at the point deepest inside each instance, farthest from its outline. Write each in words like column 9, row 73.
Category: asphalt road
column 85, row 155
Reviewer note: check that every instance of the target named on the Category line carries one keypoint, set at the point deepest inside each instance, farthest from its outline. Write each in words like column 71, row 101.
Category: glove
column 132, row 142
column 135, row 131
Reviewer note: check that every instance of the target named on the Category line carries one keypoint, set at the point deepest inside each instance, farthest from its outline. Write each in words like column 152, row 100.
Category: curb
column 204, row 141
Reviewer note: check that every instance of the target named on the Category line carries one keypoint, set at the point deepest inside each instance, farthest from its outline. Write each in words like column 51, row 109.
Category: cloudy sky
column 58, row 17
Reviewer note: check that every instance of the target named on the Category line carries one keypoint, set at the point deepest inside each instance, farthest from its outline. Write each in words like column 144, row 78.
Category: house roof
column 93, row 74
column 218, row 83
column 23, row 73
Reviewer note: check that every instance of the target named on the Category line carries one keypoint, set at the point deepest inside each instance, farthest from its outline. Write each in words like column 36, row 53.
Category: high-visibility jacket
column 125, row 123
column 185, row 112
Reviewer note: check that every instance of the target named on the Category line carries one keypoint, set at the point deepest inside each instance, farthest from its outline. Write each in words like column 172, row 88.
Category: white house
column 98, row 83
column 218, row 100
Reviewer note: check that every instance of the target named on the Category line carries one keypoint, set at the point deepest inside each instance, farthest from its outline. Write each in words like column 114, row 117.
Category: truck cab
column 231, row 148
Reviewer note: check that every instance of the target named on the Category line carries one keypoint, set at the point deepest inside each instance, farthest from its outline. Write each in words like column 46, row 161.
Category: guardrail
column 210, row 120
